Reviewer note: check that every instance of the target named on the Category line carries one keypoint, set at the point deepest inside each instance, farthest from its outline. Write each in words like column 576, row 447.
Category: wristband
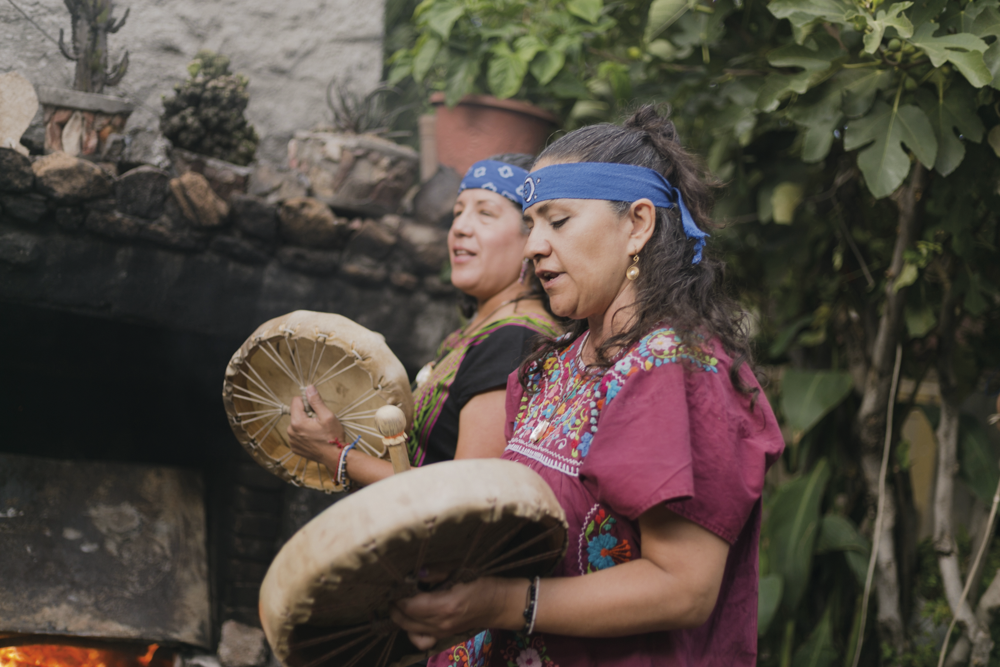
column 531, row 607
column 342, row 477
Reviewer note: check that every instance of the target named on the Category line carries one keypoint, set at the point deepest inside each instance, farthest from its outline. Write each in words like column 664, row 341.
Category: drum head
column 326, row 597
column 351, row 367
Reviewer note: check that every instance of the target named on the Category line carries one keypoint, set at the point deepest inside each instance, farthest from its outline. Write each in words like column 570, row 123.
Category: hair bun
column 647, row 119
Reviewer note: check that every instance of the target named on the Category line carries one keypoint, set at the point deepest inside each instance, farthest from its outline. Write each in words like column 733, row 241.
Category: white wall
column 289, row 49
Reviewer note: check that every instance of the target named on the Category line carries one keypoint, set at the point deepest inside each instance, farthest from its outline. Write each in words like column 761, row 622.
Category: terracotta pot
column 480, row 126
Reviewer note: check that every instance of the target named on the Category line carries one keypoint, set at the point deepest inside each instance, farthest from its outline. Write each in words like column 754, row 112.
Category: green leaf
column 805, row 14
column 662, row 49
column 953, row 112
column 920, row 320
column 887, row 18
column 907, row 277
column 926, row 10
column 987, row 24
column 662, row 14
column 402, row 67
column 791, row 529
column 808, row 396
column 768, row 598
column 885, row 163
column 462, row 80
column 588, row 10
column 441, row 19
column 547, row 64
column 818, row 650
column 964, row 51
column 815, row 62
column 527, row 47
column 818, row 119
column 427, row 50
column 978, row 458
column 784, row 200
column 506, row 71
column 994, row 139
column 837, row 533
column 616, row 74
column 860, row 87
column 787, row 335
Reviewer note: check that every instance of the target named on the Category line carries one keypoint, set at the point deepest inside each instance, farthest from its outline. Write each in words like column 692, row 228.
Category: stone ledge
column 74, row 99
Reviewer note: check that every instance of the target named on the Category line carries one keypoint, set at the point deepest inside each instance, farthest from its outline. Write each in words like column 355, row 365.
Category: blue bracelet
column 342, row 477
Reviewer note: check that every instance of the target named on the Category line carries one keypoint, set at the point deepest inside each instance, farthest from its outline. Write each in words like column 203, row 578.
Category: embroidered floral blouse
column 663, row 425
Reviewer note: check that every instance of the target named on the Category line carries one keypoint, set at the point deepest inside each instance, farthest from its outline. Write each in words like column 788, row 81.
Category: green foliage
column 808, row 396
column 206, row 113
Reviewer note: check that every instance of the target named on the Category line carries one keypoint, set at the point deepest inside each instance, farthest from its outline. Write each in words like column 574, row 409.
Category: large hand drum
column 326, row 597
column 351, row 367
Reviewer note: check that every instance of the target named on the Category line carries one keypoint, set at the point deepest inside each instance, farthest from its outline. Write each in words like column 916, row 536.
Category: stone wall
column 217, row 249
column 289, row 50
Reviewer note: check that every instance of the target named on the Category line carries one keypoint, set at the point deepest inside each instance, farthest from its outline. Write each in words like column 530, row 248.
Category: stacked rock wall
column 214, row 248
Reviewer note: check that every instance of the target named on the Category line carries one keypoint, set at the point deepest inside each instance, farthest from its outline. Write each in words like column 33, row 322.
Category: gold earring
column 633, row 271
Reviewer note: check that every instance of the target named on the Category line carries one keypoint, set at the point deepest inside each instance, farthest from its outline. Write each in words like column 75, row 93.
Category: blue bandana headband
column 610, row 181
column 499, row 177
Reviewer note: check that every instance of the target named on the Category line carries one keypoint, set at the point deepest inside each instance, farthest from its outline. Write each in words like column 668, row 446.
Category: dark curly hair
column 669, row 287
column 533, row 290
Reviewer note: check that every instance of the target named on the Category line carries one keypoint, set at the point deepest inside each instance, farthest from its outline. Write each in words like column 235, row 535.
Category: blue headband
column 499, row 177
column 610, row 181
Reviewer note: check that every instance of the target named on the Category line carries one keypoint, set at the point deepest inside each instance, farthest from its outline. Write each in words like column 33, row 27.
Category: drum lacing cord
column 376, row 630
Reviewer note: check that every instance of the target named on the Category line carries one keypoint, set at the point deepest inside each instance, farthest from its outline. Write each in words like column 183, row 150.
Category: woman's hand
column 489, row 602
column 310, row 436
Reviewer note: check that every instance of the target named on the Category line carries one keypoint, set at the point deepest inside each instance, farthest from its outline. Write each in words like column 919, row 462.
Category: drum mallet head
column 391, row 423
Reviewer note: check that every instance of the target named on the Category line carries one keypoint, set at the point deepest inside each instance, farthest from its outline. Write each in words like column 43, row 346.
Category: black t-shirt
column 486, row 366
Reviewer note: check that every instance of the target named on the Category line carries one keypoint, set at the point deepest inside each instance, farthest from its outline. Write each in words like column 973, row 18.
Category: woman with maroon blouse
column 644, row 419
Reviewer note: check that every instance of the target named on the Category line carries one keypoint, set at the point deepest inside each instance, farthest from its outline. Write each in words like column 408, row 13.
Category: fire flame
column 57, row 655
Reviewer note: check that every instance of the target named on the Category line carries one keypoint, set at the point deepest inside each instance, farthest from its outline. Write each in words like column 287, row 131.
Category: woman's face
column 485, row 243
column 581, row 249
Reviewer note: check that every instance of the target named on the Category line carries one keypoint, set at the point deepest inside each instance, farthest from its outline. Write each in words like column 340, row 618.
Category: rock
column 308, row 222
column 364, row 270
column 404, row 280
column 426, row 246
column 15, row 171
column 371, row 239
column 277, row 184
column 112, row 224
column 315, row 262
column 360, row 173
column 242, row 250
column 114, row 148
column 165, row 231
column 199, row 204
column 201, row 661
column 19, row 250
column 69, row 179
column 28, row 208
column 255, row 217
column 147, row 147
column 72, row 134
column 18, row 105
column 142, row 192
column 225, row 178
column 435, row 200
column 69, row 218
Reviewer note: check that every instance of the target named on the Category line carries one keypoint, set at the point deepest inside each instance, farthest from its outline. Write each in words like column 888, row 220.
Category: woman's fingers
column 319, row 407
column 421, row 641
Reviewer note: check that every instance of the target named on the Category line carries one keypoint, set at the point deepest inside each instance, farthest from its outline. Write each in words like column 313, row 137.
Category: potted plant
column 503, row 73
column 79, row 121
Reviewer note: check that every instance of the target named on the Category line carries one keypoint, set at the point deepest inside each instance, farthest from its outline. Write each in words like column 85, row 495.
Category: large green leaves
column 950, row 112
column 804, row 14
column 818, row 118
column 818, row 650
column 588, row 10
column 815, row 58
column 791, row 530
column 506, row 71
column 963, row 50
column 768, row 599
column 838, row 534
column 978, row 459
column 860, row 87
column 808, row 396
column 662, row 14
column 887, row 18
column 884, row 163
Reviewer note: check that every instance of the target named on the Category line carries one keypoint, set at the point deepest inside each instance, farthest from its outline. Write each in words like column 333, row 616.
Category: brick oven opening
column 132, row 525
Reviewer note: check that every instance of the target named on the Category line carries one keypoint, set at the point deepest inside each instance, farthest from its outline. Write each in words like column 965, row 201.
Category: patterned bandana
column 610, row 181
column 499, row 177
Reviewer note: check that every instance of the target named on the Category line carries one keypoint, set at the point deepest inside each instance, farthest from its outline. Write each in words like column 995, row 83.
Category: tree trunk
column 871, row 418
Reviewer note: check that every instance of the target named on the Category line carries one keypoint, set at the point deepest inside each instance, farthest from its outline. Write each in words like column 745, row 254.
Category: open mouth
column 547, row 277
column 460, row 255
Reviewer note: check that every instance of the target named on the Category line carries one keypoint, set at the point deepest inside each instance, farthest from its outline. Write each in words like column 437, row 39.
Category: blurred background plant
column 859, row 142
column 369, row 113
column 206, row 114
